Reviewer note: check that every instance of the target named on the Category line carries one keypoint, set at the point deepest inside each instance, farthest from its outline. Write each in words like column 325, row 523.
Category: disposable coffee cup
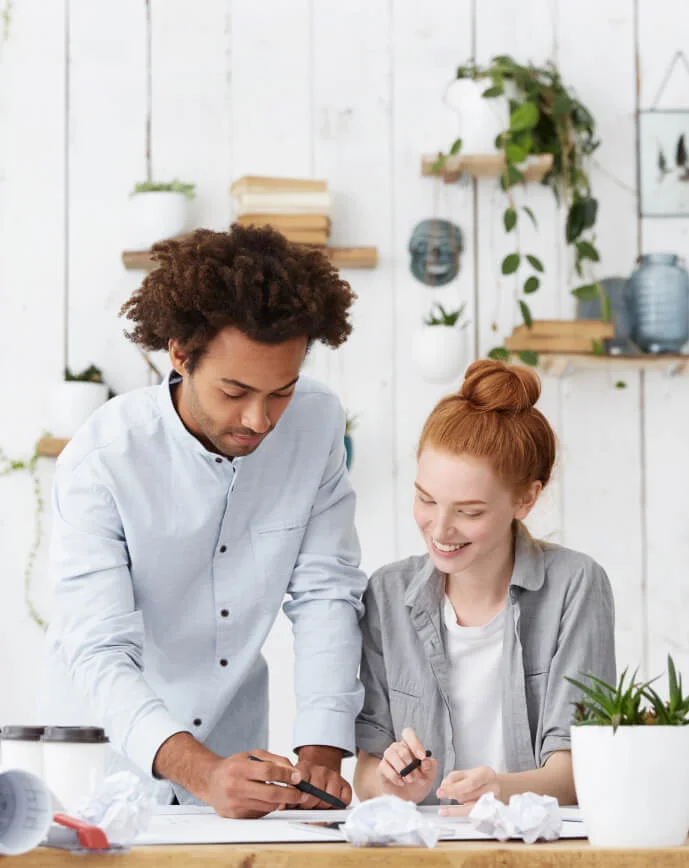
column 26, row 811
column 21, row 748
column 73, row 763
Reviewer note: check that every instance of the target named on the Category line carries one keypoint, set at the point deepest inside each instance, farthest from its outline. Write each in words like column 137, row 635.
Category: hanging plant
column 545, row 118
column 7, row 466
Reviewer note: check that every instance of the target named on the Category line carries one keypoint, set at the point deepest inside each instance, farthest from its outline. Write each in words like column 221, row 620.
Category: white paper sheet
column 187, row 824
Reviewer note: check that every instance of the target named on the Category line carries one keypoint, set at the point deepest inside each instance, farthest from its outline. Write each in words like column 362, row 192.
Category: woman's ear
column 526, row 502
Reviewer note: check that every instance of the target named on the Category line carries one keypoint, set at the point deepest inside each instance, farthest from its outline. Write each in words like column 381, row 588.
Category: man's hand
column 239, row 787
column 467, row 787
column 320, row 766
column 415, row 786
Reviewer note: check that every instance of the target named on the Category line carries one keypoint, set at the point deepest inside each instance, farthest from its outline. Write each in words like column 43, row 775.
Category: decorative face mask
column 435, row 246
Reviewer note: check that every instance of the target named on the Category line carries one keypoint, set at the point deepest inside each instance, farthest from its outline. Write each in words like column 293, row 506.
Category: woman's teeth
column 455, row 547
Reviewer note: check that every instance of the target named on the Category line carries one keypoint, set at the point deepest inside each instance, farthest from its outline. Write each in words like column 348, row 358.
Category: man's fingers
column 410, row 738
column 271, row 771
column 269, row 794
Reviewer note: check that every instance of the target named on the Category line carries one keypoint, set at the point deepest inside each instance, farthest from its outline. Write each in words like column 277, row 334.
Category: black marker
column 413, row 765
column 305, row 787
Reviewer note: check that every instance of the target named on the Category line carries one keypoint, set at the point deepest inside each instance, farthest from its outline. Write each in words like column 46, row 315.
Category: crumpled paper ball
column 389, row 820
column 122, row 807
column 528, row 816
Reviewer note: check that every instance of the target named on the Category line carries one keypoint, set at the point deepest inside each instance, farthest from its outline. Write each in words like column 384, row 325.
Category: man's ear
column 527, row 501
column 178, row 357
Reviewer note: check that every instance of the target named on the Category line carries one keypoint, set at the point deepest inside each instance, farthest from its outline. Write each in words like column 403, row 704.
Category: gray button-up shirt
column 560, row 621
column 171, row 564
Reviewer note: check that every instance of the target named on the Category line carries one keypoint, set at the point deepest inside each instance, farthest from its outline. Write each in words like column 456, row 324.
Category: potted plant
column 350, row 425
column 630, row 755
column 545, row 117
column 438, row 348
column 158, row 211
column 75, row 398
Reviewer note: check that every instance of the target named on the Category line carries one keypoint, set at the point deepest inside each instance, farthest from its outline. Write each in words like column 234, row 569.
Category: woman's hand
column 415, row 786
column 467, row 787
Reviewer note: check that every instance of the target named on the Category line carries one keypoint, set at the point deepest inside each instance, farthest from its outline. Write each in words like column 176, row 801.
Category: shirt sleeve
column 586, row 644
column 96, row 627
column 326, row 588
column 374, row 727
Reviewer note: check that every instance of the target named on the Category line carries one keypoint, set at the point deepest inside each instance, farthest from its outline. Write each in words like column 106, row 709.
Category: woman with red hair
column 466, row 648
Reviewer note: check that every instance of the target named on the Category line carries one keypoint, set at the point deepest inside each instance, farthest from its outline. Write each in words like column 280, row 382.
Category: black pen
column 305, row 787
column 414, row 764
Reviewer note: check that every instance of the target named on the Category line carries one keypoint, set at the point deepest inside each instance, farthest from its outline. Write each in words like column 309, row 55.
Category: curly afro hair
column 251, row 278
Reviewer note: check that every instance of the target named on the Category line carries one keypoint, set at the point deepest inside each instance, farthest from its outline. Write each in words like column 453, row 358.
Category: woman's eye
column 473, row 514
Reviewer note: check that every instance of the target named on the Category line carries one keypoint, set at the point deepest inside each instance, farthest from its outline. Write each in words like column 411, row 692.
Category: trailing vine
column 8, row 466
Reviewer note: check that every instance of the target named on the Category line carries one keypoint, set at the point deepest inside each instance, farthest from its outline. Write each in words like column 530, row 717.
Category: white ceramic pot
column 633, row 785
column 155, row 216
column 439, row 353
column 481, row 120
column 73, row 402
column 73, row 763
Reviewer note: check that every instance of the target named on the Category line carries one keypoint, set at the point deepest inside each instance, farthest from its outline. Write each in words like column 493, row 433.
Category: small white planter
column 155, row 216
column 481, row 119
column 439, row 353
column 73, row 401
column 633, row 785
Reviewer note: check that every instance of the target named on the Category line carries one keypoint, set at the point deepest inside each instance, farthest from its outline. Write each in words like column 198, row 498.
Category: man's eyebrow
column 248, row 388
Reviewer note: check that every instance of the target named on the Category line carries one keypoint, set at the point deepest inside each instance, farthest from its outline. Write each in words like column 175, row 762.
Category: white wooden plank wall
column 95, row 96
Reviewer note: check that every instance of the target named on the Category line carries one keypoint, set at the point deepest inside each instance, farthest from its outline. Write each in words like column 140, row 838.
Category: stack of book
column 299, row 208
column 560, row 336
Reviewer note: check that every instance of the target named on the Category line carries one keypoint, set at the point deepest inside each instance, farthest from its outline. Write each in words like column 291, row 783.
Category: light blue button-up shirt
column 171, row 564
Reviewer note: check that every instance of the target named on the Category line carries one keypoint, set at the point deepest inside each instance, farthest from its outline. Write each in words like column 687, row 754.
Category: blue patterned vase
column 658, row 300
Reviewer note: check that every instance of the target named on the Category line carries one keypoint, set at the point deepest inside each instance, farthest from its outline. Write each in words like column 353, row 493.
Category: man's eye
column 233, row 397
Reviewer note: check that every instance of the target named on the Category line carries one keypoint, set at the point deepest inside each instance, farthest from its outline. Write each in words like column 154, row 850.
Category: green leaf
column 561, row 105
column 531, row 284
column 575, row 221
column 515, row 154
column 590, row 212
column 587, row 292
column 526, row 313
column 524, row 117
column 529, row 357
column 456, row 147
column 439, row 163
column 535, row 263
column 620, row 384
column 509, row 219
column 500, row 354
column 531, row 215
column 491, row 92
column 510, row 177
column 586, row 250
column 598, row 348
column 605, row 306
column 511, row 263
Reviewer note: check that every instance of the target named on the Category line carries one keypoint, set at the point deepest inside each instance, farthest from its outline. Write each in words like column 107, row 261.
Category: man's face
column 238, row 390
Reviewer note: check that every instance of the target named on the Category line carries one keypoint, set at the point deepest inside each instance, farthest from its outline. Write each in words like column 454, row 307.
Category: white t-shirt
column 475, row 656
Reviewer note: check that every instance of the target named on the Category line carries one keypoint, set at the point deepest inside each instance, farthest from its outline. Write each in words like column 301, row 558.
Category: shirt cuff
column 326, row 727
column 551, row 743
column 147, row 736
column 372, row 738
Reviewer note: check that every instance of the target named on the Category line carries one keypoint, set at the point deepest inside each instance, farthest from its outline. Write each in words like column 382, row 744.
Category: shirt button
column 223, row 662
column 224, row 612
column 197, row 721
column 218, row 460
column 223, row 549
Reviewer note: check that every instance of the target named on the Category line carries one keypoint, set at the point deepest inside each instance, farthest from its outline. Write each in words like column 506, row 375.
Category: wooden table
column 467, row 854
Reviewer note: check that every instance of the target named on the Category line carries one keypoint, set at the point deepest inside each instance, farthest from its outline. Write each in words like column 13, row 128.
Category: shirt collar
column 428, row 586
column 174, row 424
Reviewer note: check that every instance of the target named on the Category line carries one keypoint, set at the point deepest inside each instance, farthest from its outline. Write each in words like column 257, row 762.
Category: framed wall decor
column 664, row 163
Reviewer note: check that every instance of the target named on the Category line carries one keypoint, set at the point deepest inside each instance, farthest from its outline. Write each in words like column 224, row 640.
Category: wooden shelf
column 484, row 166
column 50, row 447
column 563, row 364
column 341, row 257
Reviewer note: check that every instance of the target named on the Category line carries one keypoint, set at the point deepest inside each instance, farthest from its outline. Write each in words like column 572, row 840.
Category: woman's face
column 464, row 511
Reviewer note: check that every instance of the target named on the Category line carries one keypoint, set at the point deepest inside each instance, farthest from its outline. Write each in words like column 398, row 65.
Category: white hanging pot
column 632, row 785
column 73, row 401
column 439, row 353
column 481, row 120
column 155, row 216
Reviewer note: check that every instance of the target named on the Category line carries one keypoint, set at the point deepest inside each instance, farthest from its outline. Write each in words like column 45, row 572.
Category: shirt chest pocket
column 406, row 706
column 276, row 549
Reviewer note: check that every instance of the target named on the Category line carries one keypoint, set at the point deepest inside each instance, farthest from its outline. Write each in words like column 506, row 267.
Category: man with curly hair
column 185, row 512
